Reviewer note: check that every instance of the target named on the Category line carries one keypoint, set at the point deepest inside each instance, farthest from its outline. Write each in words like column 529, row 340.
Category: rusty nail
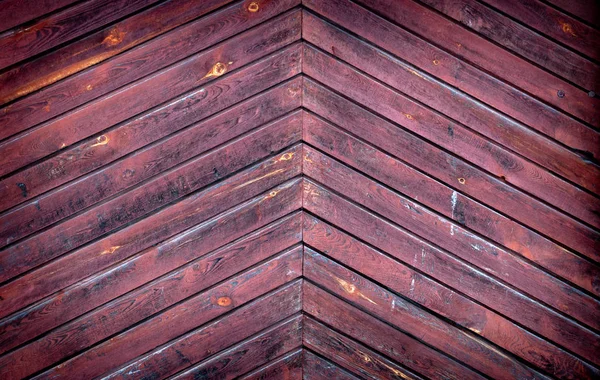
column 561, row 94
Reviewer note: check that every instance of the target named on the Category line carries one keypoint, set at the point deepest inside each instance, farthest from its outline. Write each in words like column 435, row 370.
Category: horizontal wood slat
column 299, row 189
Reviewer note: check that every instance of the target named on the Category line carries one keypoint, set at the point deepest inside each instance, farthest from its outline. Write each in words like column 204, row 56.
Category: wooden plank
column 451, row 237
column 475, row 50
column 76, row 300
column 141, row 165
column 125, row 277
column 444, row 301
column 145, row 59
column 100, row 46
column 372, row 332
column 521, row 40
column 446, row 201
column 201, row 343
column 470, row 113
column 160, row 191
column 66, row 25
column 163, row 326
column 451, row 271
column 351, row 355
column 317, row 368
column 432, row 330
column 288, row 367
column 449, row 169
column 507, row 167
column 16, row 12
column 101, row 114
column 556, row 25
column 255, row 352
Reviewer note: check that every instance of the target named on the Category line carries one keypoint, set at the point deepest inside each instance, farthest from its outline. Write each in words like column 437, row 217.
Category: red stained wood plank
column 465, row 77
column 76, row 300
column 374, row 333
column 474, row 49
column 145, row 59
column 521, row 40
column 451, row 236
column 444, row 301
column 106, row 112
column 99, row 46
column 506, row 166
column 556, row 25
column 288, row 367
column 239, row 359
column 15, row 12
column 66, row 25
column 463, row 210
column 143, row 164
column 201, row 343
column 449, row 169
column 159, row 192
column 161, row 327
column 451, row 271
column 469, row 112
column 404, row 315
column 317, row 368
column 351, row 355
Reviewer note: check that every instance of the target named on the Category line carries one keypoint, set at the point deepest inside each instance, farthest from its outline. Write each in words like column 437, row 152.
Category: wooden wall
column 299, row 189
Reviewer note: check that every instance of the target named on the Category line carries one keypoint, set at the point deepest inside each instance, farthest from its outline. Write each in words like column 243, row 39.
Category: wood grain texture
column 299, row 189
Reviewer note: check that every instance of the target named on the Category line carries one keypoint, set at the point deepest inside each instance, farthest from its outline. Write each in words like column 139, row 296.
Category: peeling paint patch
column 216, row 71
column 567, row 28
column 114, row 37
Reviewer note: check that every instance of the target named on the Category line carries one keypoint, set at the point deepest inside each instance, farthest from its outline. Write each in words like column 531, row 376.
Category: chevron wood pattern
column 299, row 189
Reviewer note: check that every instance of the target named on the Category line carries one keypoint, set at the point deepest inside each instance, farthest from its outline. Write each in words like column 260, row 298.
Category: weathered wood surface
column 299, row 189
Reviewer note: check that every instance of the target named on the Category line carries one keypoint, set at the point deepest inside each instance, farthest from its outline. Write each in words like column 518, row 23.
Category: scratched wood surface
column 299, row 189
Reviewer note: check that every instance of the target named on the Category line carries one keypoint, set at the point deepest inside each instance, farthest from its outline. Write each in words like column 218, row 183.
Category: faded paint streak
column 270, row 174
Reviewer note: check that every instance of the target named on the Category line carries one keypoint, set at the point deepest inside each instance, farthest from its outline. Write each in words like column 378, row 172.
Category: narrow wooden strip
column 243, row 357
column 349, row 354
column 288, row 367
column 154, row 55
column 461, row 209
column 437, row 297
column 464, row 109
column 199, row 344
column 63, row 26
column 163, row 326
column 372, row 332
column 451, row 237
column 450, row 169
column 101, row 46
column 470, row 48
column 451, row 271
column 464, row 346
column 146, row 163
column 462, row 75
column 317, row 368
column 521, row 40
column 416, row 118
column 558, row 26
column 160, row 191
column 16, row 12
column 103, row 113
column 59, row 308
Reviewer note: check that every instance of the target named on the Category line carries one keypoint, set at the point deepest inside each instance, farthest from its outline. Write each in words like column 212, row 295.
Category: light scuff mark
column 101, row 140
column 253, row 7
column 110, row 250
column 351, row 289
column 217, row 70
